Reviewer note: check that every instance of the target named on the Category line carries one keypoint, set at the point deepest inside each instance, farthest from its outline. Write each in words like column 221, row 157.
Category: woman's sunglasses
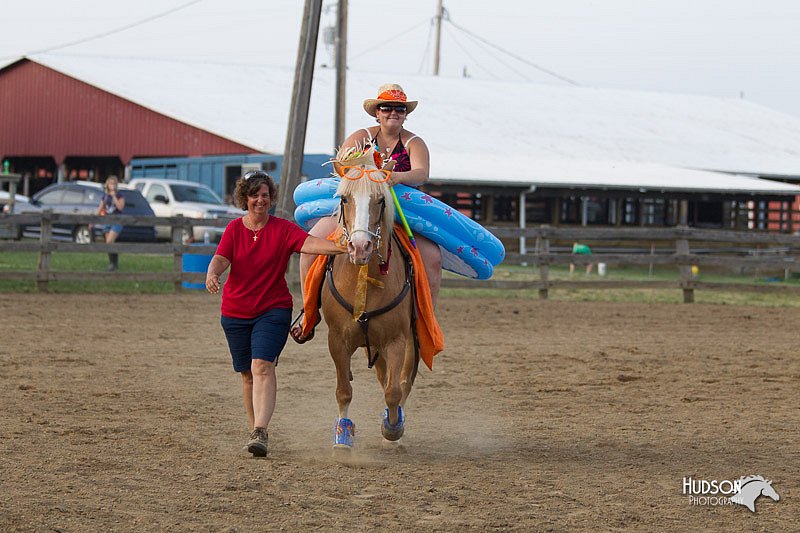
column 255, row 174
column 399, row 109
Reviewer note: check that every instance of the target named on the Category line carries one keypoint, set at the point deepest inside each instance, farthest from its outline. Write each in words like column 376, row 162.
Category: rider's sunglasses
column 399, row 109
column 377, row 175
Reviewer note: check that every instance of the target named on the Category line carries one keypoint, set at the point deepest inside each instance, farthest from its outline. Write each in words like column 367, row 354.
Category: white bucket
column 601, row 269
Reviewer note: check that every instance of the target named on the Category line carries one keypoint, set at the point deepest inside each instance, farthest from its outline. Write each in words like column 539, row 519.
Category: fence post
column 544, row 268
column 682, row 248
column 177, row 241
column 43, row 269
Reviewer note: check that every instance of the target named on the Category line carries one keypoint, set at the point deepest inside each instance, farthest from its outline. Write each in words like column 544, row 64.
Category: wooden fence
column 681, row 247
column 45, row 246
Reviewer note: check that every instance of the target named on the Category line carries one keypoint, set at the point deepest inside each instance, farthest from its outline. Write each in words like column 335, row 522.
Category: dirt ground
column 122, row 413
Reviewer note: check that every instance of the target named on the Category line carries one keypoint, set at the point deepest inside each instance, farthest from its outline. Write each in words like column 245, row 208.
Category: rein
column 363, row 318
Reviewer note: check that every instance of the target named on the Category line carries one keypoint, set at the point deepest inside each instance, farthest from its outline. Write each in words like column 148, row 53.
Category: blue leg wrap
column 396, row 429
column 343, row 432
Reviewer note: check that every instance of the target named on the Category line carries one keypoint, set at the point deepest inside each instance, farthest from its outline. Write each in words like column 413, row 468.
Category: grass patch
column 98, row 262
column 88, row 262
column 637, row 295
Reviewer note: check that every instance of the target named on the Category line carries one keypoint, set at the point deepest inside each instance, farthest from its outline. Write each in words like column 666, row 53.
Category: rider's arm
column 420, row 161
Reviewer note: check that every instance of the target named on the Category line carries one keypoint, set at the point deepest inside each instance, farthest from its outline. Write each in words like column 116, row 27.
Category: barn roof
column 606, row 175
column 505, row 132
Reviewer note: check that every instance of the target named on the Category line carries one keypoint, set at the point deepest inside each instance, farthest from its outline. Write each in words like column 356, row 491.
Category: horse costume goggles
column 378, row 175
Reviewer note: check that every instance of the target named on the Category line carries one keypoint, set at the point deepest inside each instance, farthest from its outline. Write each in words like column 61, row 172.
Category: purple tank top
column 402, row 162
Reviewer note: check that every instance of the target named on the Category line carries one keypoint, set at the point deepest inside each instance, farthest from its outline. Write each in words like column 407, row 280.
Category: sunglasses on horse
column 400, row 109
column 377, row 175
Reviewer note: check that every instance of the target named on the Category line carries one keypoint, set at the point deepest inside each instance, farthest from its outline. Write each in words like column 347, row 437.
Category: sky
column 727, row 48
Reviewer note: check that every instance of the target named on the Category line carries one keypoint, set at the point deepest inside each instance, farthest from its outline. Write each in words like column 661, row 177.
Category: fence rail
column 745, row 250
column 45, row 247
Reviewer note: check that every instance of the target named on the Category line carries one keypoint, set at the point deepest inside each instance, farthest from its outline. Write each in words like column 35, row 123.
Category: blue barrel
column 195, row 263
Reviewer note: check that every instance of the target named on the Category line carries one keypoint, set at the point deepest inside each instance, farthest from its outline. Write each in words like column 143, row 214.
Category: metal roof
column 503, row 132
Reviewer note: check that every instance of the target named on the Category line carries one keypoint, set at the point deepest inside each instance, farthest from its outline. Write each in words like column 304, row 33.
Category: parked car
column 170, row 198
column 9, row 232
column 19, row 199
column 83, row 197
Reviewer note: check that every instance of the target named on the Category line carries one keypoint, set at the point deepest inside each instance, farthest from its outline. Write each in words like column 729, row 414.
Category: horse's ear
column 337, row 168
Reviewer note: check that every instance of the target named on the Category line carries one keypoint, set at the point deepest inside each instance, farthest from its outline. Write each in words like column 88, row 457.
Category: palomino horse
column 368, row 301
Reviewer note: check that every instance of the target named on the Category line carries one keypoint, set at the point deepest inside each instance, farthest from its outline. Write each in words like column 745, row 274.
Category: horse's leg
column 410, row 364
column 394, row 419
column 393, row 428
column 380, row 370
column 344, row 429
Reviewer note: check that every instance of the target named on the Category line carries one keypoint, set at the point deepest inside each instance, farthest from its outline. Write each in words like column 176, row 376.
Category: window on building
column 708, row 214
column 505, row 207
column 596, row 210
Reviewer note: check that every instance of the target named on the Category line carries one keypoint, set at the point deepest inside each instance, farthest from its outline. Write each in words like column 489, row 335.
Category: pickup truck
column 169, row 198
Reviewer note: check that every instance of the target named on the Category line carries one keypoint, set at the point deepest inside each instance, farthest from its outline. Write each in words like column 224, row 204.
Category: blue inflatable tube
column 467, row 248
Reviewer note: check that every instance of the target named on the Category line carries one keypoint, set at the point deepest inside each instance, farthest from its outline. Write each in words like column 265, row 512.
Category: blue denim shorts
column 116, row 228
column 261, row 337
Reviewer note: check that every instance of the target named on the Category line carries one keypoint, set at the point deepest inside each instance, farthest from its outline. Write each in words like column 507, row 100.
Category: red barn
column 55, row 126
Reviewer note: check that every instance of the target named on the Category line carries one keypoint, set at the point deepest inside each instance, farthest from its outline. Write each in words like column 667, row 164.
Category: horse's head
column 768, row 491
column 751, row 488
column 366, row 209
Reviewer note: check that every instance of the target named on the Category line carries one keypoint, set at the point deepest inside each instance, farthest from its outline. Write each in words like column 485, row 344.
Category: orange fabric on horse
column 431, row 339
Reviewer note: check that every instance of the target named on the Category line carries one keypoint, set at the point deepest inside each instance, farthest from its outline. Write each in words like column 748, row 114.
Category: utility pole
column 438, row 21
column 341, row 73
column 298, row 112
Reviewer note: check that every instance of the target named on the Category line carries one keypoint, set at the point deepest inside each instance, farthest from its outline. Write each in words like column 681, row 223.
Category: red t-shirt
column 256, row 282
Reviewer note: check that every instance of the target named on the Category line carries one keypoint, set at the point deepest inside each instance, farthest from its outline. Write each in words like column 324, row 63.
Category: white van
column 170, row 198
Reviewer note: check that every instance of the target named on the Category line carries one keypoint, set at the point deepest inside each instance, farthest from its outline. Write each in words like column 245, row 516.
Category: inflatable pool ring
column 467, row 247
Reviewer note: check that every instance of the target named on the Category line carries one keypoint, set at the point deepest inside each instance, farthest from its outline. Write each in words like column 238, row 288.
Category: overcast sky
column 728, row 48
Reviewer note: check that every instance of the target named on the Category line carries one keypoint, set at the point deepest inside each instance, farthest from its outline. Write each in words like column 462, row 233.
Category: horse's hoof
column 393, row 432
column 343, row 433
column 393, row 446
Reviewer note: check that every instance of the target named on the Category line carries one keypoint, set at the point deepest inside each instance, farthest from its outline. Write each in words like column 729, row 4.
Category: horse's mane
column 745, row 480
column 365, row 157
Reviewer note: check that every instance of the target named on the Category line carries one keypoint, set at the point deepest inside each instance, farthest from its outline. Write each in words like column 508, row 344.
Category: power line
column 427, row 47
column 463, row 49
column 496, row 58
column 116, row 30
column 518, row 58
column 390, row 39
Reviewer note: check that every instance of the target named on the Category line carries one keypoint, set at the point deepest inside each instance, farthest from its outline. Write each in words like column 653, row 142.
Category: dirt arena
column 122, row 413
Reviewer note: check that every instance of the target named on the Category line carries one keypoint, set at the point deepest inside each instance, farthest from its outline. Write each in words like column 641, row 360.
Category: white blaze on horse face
column 360, row 245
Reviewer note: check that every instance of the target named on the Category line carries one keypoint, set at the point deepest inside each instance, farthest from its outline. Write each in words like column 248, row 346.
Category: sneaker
column 258, row 442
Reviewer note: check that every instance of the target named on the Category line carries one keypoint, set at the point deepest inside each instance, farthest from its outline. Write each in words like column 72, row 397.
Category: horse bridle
column 363, row 319
column 375, row 236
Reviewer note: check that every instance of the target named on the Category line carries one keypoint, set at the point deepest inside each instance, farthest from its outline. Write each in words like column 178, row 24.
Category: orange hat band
column 399, row 96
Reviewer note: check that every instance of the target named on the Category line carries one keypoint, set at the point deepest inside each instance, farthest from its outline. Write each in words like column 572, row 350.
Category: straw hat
column 361, row 155
column 389, row 93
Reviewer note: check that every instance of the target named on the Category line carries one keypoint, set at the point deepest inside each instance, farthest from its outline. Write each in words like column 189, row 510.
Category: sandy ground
column 122, row 413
